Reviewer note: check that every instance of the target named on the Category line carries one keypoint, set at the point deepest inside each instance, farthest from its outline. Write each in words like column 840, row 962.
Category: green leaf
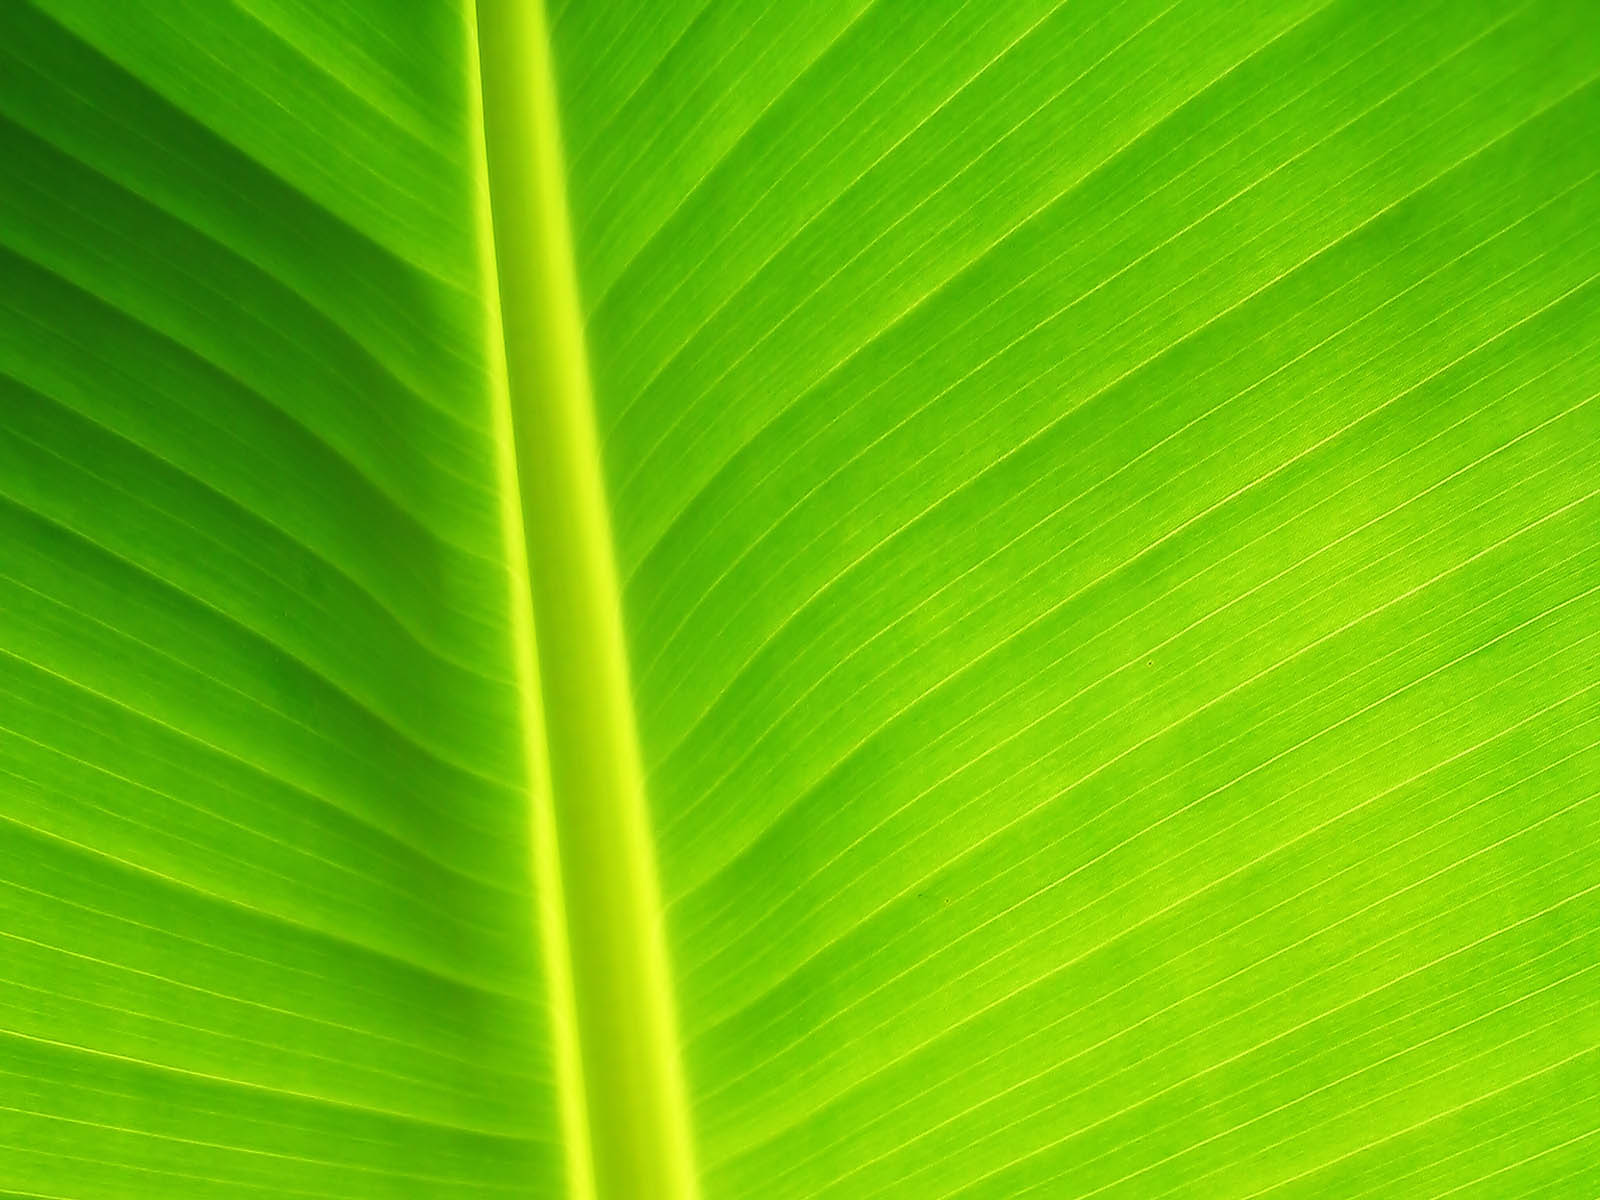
column 270, row 918
column 850, row 598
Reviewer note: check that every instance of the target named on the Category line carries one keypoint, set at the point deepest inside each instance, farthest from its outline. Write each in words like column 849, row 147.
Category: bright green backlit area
column 1082, row 522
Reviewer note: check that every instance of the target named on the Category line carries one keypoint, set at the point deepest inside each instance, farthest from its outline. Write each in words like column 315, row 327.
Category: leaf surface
column 269, row 915
column 837, row 599
column 1105, row 496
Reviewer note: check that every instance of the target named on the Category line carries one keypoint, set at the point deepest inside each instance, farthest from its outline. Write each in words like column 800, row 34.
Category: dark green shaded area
column 266, row 907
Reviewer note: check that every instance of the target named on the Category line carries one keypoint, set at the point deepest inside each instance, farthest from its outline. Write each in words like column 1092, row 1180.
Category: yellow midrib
column 624, row 1110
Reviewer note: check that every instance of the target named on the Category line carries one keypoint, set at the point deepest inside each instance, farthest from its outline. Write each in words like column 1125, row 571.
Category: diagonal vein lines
column 823, row 589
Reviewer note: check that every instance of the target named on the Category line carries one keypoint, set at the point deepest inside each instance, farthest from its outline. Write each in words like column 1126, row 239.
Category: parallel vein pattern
column 267, row 912
column 1105, row 501
column 1109, row 500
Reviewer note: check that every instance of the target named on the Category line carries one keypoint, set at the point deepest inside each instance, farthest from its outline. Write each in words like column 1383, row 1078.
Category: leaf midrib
column 619, row 1063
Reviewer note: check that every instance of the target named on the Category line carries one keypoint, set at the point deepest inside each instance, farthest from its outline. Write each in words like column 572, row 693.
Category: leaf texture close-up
column 621, row 600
